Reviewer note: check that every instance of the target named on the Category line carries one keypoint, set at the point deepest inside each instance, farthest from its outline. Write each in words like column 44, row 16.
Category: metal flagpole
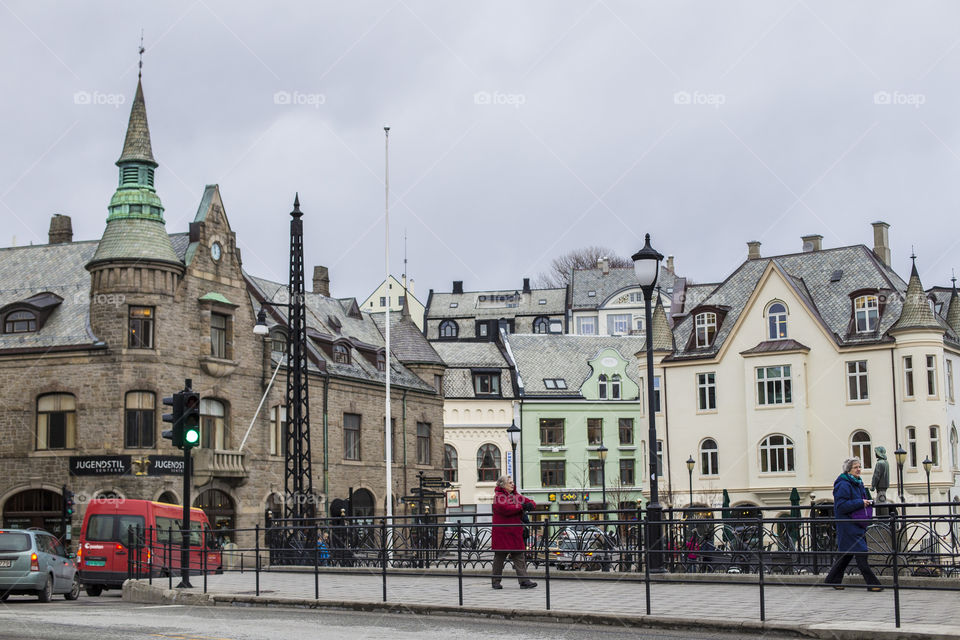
column 386, row 258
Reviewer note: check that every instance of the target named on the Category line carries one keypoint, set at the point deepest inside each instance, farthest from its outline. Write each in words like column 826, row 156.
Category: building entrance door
column 35, row 508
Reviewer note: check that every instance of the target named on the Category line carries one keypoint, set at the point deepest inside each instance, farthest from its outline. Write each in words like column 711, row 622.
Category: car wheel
column 74, row 592
column 46, row 594
column 94, row 590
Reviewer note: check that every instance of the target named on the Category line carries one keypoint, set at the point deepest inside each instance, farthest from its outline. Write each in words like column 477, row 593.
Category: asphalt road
column 108, row 617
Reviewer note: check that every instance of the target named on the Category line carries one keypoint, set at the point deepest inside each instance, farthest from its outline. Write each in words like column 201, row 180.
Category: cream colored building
column 796, row 362
column 392, row 293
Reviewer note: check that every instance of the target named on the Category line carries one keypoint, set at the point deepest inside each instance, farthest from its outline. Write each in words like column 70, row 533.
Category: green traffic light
column 191, row 436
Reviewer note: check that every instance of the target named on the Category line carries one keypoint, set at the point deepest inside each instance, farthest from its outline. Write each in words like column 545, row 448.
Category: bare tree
column 584, row 258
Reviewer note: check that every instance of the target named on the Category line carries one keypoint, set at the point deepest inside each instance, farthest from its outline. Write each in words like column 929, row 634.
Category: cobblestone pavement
column 801, row 604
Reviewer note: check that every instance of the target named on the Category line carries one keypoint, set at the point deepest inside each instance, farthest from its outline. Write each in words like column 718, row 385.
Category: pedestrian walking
column 508, row 506
column 852, row 508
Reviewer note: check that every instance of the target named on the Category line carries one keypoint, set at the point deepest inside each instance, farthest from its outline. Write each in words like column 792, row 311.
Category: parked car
column 34, row 562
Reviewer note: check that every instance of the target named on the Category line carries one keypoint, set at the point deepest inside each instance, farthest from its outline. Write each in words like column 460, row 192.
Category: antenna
column 404, row 261
column 140, row 71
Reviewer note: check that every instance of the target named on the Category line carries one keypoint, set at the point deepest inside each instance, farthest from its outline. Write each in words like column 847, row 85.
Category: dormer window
column 449, row 329
column 278, row 341
column 777, row 321
column 541, row 325
column 20, row 322
column 866, row 313
column 706, row 328
column 341, row 354
column 381, row 361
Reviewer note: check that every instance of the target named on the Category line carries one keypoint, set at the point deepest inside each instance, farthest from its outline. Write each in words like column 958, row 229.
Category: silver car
column 34, row 562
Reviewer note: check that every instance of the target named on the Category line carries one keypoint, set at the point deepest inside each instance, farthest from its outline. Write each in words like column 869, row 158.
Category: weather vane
column 140, row 71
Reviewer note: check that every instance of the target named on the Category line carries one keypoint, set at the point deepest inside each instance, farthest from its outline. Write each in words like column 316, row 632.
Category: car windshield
column 10, row 541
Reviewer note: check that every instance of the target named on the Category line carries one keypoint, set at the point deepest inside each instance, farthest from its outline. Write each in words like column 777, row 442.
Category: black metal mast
column 298, row 478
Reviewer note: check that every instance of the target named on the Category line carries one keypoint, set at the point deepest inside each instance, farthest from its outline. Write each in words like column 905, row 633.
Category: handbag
column 863, row 515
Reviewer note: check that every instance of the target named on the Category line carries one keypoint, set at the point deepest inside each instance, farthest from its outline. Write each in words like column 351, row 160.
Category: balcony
column 219, row 464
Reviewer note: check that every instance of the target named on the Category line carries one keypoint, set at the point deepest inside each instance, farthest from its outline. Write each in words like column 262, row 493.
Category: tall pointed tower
column 135, row 257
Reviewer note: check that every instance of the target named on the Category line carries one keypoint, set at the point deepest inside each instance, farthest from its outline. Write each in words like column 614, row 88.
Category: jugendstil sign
column 99, row 465
column 164, row 465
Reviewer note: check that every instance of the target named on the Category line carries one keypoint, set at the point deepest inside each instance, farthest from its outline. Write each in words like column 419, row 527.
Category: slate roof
column 773, row 346
column 407, row 341
column 810, row 275
column 468, row 301
column 323, row 316
column 462, row 357
column 135, row 239
column 136, row 145
column 916, row 312
column 58, row 269
column 583, row 281
column 539, row 356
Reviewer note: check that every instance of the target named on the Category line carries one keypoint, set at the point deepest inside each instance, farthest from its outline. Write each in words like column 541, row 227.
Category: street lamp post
column 646, row 265
column 901, row 457
column 690, row 465
column 513, row 434
column 927, row 467
column 602, row 452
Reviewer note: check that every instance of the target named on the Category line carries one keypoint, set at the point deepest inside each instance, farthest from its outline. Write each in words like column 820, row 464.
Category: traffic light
column 190, row 426
column 68, row 504
column 175, row 418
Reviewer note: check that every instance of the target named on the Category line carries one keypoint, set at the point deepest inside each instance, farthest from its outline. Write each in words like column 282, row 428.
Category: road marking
column 163, row 606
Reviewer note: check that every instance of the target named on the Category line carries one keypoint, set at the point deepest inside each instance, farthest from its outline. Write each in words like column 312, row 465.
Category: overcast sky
column 520, row 130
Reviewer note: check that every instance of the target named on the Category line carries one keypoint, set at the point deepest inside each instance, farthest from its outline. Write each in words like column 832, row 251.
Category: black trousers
column 518, row 558
column 836, row 571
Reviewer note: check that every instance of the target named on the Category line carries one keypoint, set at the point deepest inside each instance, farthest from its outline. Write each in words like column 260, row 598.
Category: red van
column 105, row 546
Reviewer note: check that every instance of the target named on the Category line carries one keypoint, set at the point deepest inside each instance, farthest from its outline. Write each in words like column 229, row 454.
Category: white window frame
column 857, row 390
column 948, row 367
column 587, row 325
column 706, row 383
column 862, row 449
column 781, row 452
column 618, row 324
column 709, row 457
column 866, row 308
column 932, row 386
column 912, row 447
column 909, row 389
column 705, row 328
column 767, row 383
column 777, row 321
column 935, row 445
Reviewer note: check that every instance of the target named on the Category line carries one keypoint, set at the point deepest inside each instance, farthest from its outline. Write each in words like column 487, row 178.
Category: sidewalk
column 801, row 610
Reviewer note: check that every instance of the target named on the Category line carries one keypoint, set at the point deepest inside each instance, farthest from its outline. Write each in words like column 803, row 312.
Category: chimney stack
column 812, row 243
column 61, row 229
column 670, row 264
column 604, row 265
column 526, row 285
column 410, row 286
column 881, row 242
column 321, row 281
column 458, row 286
column 753, row 250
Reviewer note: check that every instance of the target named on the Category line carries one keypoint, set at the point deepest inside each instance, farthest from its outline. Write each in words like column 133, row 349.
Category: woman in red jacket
column 508, row 507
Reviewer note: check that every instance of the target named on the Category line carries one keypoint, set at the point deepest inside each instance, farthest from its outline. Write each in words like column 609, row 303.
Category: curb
column 141, row 592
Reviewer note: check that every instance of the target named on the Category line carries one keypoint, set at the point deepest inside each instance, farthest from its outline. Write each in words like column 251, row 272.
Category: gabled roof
column 470, row 305
column 358, row 331
column 811, row 275
column 407, row 341
column 551, row 356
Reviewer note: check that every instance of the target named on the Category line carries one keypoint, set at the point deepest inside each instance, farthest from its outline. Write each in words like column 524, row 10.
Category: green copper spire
column 135, row 225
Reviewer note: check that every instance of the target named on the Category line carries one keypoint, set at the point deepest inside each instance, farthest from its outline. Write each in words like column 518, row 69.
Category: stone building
column 96, row 333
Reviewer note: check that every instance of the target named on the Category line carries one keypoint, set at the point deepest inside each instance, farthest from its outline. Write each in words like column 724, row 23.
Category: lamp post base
column 655, row 537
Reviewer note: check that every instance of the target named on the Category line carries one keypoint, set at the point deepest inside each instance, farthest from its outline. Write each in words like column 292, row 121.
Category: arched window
column 541, row 325
column 278, row 341
column 139, row 424
column 602, row 386
column 449, row 329
column 341, row 354
column 776, row 454
column 861, row 448
column 706, row 328
column 362, row 506
column 709, row 457
column 777, row 321
column 450, row 463
column 488, row 463
column 615, row 387
column 866, row 313
column 954, row 453
column 935, row 445
column 20, row 322
column 56, row 421
column 213, row 425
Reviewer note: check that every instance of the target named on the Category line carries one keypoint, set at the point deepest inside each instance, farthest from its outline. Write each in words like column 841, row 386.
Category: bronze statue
column 881, row 478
